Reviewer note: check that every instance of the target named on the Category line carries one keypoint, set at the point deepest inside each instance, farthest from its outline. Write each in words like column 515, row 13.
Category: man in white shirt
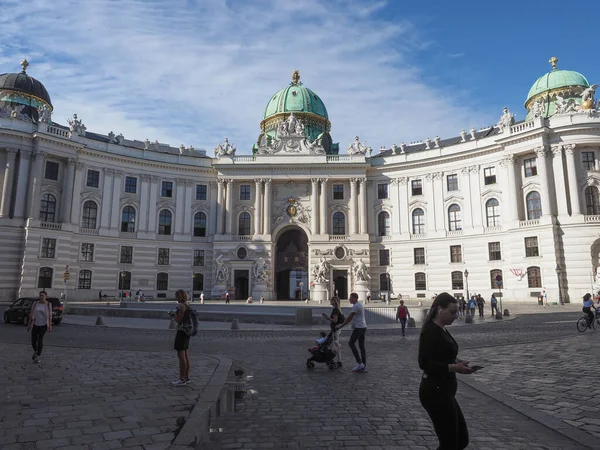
column 357, row 314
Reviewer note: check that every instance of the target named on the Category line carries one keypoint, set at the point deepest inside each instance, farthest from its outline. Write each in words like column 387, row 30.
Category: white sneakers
column 179, row 383
column 360, row 368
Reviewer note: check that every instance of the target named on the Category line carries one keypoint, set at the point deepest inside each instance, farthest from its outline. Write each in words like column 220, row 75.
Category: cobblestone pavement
column 290, row 407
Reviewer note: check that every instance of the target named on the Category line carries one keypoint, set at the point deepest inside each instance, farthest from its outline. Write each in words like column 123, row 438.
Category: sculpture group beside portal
column 261, row 270
column 320, row 272
column 361, row 272
column 221, row 270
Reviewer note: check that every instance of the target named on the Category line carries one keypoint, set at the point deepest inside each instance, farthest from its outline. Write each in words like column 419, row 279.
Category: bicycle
column 583, row 323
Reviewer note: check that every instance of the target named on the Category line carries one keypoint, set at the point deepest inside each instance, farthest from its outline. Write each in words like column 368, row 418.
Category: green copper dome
column 556, row 79
column 295, row 98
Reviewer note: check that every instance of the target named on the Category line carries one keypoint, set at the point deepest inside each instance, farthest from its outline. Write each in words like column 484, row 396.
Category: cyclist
column 588, row 304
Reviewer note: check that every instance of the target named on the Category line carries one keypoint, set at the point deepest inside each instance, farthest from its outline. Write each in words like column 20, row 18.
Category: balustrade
column 529, row 223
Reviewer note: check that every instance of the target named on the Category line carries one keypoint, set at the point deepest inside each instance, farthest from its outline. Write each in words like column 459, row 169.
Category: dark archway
column 291, row 265
column 340, row 283
column 241, row 284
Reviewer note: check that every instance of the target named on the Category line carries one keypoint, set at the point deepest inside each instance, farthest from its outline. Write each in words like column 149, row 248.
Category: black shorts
column 182, row 341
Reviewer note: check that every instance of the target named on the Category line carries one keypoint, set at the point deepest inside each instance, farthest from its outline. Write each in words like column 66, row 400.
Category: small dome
column 556, row 79
column 22, row 83
column 295, row 98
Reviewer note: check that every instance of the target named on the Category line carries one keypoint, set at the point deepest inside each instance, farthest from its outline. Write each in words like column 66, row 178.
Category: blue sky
column 193, row 72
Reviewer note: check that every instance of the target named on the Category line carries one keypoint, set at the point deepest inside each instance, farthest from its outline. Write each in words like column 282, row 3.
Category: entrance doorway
column 340, row 284
column 291, row 265
column 240, row 281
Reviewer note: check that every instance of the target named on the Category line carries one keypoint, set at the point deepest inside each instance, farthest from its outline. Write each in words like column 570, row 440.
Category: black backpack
column 190, row 326
column 341, row 317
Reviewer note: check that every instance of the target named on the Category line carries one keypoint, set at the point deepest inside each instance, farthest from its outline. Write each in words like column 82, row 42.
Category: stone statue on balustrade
column 538, row 107
column 320, row 272
column 361, row 272
column 506, row 120
column 225, row 149
column 221, row 270
column 44, row 114
column 357, row 148
column 261, row 270
column 76, row 126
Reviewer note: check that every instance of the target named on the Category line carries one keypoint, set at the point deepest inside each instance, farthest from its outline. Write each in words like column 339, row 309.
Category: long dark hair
column 442, row 301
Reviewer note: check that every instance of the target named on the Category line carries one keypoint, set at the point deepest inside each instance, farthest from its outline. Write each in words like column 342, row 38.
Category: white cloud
column 194, row 72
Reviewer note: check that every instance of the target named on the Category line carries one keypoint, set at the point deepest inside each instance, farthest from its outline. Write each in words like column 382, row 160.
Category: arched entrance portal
column 291, row 265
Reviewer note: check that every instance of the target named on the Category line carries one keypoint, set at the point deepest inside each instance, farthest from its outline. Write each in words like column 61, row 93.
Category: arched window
column 85, row 279
column 162, row 281
column 339, row 223
column 200, row 224
column 592, row 201
column 493, row 281
column 534, row 277
column 420, row 281
column 384, row 281
column 45, row 277
column 534, row 205
column 128, row 220
column 198, row 282
column 492, row 212
column 383, row 221
column 244, row 224
column 457, row 280
column 454, row 217
column 48, row 208
column 418, row 221
column 165, row 219
column 90, row 213
column 124, row 281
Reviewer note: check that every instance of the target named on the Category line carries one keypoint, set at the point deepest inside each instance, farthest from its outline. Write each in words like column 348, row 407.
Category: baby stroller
column 323, row 354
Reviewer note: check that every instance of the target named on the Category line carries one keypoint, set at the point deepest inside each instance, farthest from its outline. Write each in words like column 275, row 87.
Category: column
column 559, row 180
column 229, row 206
column 572, row 179
column 363, row 206
column 438, row 197
column 314, row 204
column 187, row 216
column 179, row 206
column 219, row 205
column 152, row 204
column 21, row 195
column 394, row 198
column 35, row 182
column 212, row 213
column 403, row 212
column 323, row 210
column 258, row 206
column 67, row 191
column 144, row 200
column 541, row 153
column 106, row 190
column 476, row 196
column 430, row 213
column 512, row 199
column 115, row 212
column 77, row 184
column 267, row 208
column 353, row 213
column 465, row 189
column 9, row 173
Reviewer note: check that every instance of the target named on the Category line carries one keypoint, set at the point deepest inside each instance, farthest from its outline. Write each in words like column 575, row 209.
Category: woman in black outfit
column 437, row 359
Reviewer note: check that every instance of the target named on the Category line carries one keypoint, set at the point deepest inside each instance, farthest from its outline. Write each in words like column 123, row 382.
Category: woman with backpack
column 182, row 338
column 336, row 317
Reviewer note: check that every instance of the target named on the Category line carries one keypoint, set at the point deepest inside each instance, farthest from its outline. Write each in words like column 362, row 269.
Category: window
column 339, row 223
column 167, row 189
column 126, row 256
column 93, row 178
column 534, row 277
column 200, row 224
column 338, row 192
column 383, row 221
column 87, row 252
column 201, row 190
column 382, row 191
column 454, row 218
column 384, row 257
column 452, row 182
column 124, row 281
column 131, row 185
column 418, row 221
column 163, row 257
column 384, row 281
column 530, row 167
column 48, row 248
column 455, row 253
column 245, row 192
column 244, row 224
column 534, row 206
column 494, row 251
column 45, row 277
column 592, row 201
column 198, row 257
column 417, row 187
column 493, row 282
column 162, row 281
column 198, row 282
column 128, row 220
column 51, row 171
column 457, row 280
column 47, row 208
column 492, row 212
column 531, row 246
column 589, row 160
column 85, row 279
column 90, row 214
column 419, row 255
column 489, row 175
column 420, row 282
column 164, row 222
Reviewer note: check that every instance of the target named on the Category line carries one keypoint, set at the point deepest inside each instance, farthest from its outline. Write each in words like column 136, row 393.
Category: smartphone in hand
column 476, row 368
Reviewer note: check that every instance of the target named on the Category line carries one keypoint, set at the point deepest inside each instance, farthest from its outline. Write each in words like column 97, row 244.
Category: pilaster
column 363, row 206
column 353, row 210
column 323, row 207
column 541, row 153
column 258, row 202
column 229, row 206
column 572, row 183
column 268, row 206
column 67, row 191
column 7, row 189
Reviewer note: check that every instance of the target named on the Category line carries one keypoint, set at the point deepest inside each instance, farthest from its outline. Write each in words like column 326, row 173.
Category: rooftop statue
column 76, row 126
column 225, row 149
column 506, row 119
column 565, row 106
column 357, row 148
column 587, row 97
column 538, row 107
column 44, row 114
column 292, row 126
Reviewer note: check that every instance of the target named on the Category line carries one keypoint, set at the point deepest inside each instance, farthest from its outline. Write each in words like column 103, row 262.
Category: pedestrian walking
column 357, row 316
column 545, row 295
column 335, row 318
column 494, row 305
column 480, row 304
column 182, row 339
column 40, row 321
column 401, row 315
column 261, row 300
column 202, row 298
column 226, row 298
column 438, row 359
column 472, row 305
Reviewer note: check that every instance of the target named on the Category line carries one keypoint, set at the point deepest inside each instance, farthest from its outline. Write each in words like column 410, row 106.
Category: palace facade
column 512, row 209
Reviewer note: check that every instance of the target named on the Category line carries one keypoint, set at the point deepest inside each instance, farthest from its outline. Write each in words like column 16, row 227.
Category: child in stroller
column 323, row 352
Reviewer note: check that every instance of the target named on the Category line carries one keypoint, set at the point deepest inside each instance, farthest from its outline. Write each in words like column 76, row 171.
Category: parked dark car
column 19, row 311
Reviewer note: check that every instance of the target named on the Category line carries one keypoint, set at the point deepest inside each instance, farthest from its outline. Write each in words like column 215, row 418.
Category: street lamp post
column 389, row 288
column 192, row 291
column 122, row 282
column 467, row 282
column 301, row 284
column 560, row 297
